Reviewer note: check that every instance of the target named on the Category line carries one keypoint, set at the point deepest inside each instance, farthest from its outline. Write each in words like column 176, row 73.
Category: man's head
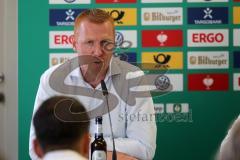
column 53, row 133
column 94, row 35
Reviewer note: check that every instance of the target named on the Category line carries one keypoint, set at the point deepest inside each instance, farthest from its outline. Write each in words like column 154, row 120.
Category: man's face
column 95, row 40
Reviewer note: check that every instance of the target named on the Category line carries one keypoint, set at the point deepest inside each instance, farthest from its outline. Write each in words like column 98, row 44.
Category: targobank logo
column 213, row 15
column 63, row 17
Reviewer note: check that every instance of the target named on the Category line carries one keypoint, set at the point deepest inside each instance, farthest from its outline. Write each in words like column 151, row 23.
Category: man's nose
column 98, row 50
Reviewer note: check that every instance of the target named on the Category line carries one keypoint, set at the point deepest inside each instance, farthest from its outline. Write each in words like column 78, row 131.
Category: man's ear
column 37, row 148
column 84, row 145
column 74, row 43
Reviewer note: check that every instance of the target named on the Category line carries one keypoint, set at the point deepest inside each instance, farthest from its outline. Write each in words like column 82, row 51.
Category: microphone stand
column 105, row 93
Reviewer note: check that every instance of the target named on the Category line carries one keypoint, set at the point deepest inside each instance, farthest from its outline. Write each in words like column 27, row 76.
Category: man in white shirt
column 56, row 138
column 134, row 127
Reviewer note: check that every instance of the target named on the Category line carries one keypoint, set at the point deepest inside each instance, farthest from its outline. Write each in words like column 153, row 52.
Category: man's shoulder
column 45, row 77
column 49, row 71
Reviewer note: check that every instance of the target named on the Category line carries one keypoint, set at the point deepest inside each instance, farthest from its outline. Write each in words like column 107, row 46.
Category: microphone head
column 104, row 88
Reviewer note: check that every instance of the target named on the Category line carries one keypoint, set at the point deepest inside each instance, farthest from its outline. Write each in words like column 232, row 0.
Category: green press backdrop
column 191, row 131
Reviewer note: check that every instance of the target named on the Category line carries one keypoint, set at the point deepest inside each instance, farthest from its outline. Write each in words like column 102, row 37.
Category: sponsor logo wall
column 198, row 44
column 179, row 38
column 211, row 31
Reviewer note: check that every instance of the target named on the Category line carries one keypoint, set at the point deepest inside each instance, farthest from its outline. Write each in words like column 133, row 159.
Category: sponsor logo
column 55, row 59
column 208, row 60
column 208, row 37
column 236, row 13
column 172, row 108
column 236, row 81
column 69, row 1
column 236, row 60
column 162, row 16
column 208, row 82
column 60, row 39
column 236, row 37
column 177, row 107
column 115, row 1
column 174, row 112
column 123, row 16
column 159, row 108
column 162, row 82
column 162, row 38
column 207, row 0
column 119, row 38
column 130, row 57
column 122, row 37
column 169, row 82
column 213, row 15
column 161, row 1
column 162, row 60
column 63, row 17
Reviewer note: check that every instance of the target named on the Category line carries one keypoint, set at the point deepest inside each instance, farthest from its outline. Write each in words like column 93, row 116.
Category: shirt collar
column 63, row 155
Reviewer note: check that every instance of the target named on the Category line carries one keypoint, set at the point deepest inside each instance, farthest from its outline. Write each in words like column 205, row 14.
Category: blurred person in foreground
column 134, row 129
column 230, row 146
column 58, row 135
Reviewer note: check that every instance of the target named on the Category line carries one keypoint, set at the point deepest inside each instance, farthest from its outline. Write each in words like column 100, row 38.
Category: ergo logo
column 207, row 38
column 63, row 39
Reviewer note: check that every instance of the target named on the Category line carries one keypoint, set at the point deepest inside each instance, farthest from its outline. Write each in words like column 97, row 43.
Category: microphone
column 104, row 88
column 105, row 93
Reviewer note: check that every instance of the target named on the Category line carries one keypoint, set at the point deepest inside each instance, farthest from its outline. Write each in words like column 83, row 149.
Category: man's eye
column 89, row 42
column 106, row 43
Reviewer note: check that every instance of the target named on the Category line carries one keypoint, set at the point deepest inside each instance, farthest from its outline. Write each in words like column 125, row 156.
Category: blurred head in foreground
column 57, row 126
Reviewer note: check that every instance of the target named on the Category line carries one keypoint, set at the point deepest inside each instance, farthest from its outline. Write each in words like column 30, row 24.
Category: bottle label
column 99, row 155
column 99, row 129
